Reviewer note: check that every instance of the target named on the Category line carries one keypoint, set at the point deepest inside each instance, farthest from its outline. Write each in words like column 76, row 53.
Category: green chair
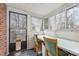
column 38, row 45
column 51, row 47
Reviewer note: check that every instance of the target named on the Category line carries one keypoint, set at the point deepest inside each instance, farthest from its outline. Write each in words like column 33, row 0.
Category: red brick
column 3, row 28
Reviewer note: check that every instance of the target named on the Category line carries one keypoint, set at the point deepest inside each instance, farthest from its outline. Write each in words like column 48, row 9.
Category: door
column 17, row 30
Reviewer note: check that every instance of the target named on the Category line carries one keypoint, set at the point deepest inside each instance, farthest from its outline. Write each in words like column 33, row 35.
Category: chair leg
column 46, row 52
column 36, row 50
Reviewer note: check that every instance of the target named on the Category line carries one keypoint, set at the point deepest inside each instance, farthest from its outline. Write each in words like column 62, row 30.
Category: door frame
column 9, row 27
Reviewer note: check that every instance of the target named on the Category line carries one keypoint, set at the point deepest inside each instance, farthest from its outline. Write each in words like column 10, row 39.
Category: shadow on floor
column 23, row 53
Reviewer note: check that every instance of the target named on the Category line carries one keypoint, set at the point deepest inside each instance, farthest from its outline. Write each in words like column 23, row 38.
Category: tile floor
column 23, row 53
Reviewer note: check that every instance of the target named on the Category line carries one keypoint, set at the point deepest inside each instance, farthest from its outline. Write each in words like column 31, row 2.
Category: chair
column 38, row 46
column 51, row 47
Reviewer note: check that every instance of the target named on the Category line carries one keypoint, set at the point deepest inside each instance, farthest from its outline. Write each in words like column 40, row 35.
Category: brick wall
column 2, row 29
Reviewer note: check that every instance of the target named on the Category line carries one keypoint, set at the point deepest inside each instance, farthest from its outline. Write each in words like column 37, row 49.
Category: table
column 70, row 46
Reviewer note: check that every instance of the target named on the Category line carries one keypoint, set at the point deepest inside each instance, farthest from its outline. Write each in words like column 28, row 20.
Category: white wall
column 30, row 40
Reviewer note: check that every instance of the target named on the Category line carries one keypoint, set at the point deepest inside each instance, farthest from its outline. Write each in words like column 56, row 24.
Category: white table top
column 70, row 46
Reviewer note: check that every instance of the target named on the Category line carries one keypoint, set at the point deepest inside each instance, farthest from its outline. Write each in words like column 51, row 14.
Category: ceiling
column 36, row 9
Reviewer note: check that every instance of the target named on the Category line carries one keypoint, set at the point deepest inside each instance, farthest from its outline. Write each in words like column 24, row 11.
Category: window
column 58, row 22
column 36, row 24
column 66, row 20
column 66, row 24
column 17, row 20
column 73, row 18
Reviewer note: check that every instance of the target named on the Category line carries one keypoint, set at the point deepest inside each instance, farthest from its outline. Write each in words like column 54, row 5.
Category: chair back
column 51, row 46
column 36, row 39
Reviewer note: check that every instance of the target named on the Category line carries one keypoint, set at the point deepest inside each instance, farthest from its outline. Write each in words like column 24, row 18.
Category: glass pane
column 63, row 20
column 58, row 18
column 52, row 21
column 12, row 36
column 22, row 21
column 46, row 23
column 13, row 21
column 17, row 27
column 17, row 21
column 21, row 34
column 76, row 18
column 33, row 24
column 70, row 18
